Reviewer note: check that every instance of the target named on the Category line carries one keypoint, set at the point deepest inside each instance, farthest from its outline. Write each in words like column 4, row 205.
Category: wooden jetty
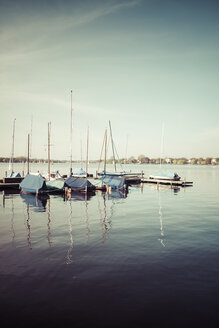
column 133, row 179
column 182, row 183
column 10, row 183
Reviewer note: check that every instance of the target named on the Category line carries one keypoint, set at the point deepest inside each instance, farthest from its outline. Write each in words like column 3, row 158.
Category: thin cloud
column 27, row 24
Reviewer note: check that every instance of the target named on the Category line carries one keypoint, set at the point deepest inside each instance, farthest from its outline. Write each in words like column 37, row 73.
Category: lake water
column 146, row 259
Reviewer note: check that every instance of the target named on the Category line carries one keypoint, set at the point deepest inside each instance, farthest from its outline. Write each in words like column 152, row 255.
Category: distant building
column 214, row 161
column 168, row 160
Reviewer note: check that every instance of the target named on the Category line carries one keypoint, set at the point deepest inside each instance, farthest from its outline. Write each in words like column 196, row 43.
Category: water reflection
column 174, row 189
column 87, row 220
column 78, row 196
column 117, row 194
column 28, row 227
column 69, row 252
column 12, row 221
column 105, row 223
column 48, row 224
column 48, row 209
column 161, row 239
column 37, row 203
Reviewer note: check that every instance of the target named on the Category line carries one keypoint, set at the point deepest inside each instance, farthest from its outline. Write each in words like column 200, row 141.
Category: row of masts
column 49, row 147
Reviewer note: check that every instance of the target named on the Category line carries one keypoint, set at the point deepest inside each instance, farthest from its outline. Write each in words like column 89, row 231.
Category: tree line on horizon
column 141, row 159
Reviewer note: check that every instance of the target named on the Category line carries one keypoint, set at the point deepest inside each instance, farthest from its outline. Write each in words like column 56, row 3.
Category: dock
column 10, row 183
column 182, row 183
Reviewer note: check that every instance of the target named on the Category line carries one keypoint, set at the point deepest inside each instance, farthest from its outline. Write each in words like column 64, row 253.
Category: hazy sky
column 137, row 63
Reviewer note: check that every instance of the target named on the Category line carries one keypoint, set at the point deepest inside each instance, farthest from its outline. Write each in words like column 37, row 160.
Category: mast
column 87, row 151
column 104, row 143
column 71, row 138
column 28, row 154
column 49, row 128
column 112, row 146
column 104, row 168
column 81, row 155
column 12, row 150
column 161, row 149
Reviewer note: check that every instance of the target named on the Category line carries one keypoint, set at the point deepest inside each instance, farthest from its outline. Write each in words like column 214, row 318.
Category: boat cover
column 57, row 184
column 114, row 182
column 33, row 183
column 165, row 175
column 118, row 174
column 76, row 183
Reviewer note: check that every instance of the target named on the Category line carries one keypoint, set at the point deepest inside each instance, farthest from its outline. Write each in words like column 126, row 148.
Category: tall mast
column 104, row 143
column 49, row 129
column 71, row 138
column 161, row 147
column 28, row 154
column 112, row 146
column 81, row 155
column 104, row 168
column 12, row 150
column 87, row 151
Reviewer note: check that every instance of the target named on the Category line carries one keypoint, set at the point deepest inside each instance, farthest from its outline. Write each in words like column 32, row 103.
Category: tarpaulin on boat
column 33, row 184
column 57, row 184
column 114, row 182
column 76, row 183
column 165, row 176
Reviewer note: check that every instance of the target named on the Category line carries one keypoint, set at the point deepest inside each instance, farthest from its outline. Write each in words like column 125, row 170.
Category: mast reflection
column 48, row 225
column 69, row 252
column 28, row 227
column 12, row 221
column 161, row 239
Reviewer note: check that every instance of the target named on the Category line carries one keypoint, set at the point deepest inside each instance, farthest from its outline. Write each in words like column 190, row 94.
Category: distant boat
column 33, row 184
column 14, row 175
column 119, row 174
column 114, row 174
column 79, row 184
column 165, row 176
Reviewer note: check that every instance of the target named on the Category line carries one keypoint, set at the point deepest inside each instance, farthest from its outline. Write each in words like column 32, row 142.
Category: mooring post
column 6, row 174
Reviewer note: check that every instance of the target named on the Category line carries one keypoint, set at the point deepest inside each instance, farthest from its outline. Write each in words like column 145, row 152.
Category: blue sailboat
column 79, row 184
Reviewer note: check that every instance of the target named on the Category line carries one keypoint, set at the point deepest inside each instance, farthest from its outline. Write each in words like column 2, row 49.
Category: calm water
column 145, row 259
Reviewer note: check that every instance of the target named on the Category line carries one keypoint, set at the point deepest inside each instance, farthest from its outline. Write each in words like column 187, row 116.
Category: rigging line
column 117, row 156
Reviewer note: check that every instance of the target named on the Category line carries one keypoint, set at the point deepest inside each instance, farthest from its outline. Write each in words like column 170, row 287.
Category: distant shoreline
column 132, row 160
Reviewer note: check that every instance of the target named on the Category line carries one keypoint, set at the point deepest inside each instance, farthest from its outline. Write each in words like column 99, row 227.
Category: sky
column 140, row 64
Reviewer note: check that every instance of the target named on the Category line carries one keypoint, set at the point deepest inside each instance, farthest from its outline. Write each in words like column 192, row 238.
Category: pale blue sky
column 136, row 63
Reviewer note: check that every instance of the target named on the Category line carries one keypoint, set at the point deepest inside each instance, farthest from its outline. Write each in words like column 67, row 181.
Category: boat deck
column 182, row 183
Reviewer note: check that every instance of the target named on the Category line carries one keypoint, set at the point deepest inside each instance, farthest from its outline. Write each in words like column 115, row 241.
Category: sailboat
column 32, row 183
column 78, row 183
column 116, row 180
column 54, row 181
column 161, row 175
column 13, row 174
